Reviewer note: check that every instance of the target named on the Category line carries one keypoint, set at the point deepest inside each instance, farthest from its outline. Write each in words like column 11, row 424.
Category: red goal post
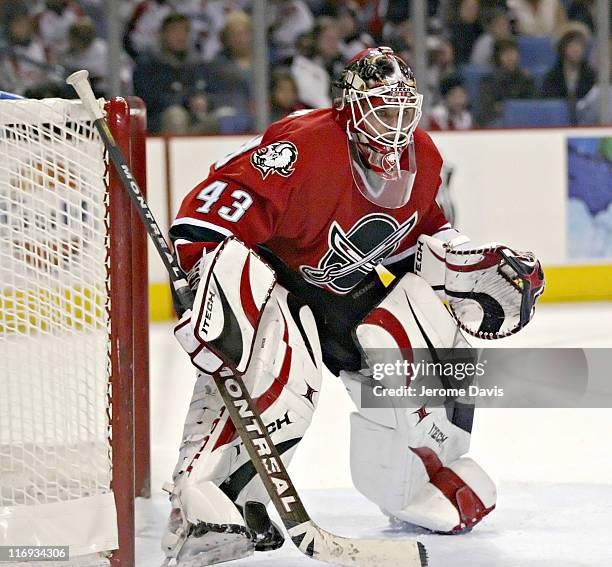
column 74, row 435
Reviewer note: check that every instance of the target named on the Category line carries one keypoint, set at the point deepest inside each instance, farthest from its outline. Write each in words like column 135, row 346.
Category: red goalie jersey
column 293, row 191
column 292, row 196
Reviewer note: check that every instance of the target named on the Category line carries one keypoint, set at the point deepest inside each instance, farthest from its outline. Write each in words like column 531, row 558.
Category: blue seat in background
column 471, row 75
column 536, row 53
column 535, row 112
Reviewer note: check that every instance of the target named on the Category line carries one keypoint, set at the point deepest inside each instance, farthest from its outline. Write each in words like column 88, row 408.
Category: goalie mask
column 378, row 102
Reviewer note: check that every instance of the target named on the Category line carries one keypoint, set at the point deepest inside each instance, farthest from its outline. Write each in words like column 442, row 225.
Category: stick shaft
column 182, row 289
column 257, row 441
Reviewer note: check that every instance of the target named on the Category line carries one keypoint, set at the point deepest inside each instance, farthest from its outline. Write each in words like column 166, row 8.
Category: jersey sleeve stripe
column 195, row 230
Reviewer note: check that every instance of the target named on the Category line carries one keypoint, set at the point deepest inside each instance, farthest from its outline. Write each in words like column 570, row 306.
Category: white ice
column 553, row 467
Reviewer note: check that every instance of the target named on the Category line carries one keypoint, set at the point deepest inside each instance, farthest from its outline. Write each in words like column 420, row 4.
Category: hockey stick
column 305, row 534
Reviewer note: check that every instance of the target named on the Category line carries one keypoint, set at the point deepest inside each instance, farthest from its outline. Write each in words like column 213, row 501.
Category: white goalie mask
column 381, row 108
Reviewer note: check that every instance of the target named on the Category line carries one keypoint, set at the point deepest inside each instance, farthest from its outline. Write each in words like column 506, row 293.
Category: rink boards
column 508, row 185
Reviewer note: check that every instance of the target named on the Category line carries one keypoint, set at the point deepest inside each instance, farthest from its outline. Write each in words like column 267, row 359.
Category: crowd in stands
column 192, row 60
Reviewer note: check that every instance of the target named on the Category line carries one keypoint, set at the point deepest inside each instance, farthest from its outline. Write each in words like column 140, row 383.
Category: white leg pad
column 450, row 505
column 214, row 476
column 381, row 472
column 408, row 460
column 430, row 509
column 477, row 479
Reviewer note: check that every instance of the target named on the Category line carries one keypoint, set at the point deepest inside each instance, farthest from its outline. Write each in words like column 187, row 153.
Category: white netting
column 54, row 323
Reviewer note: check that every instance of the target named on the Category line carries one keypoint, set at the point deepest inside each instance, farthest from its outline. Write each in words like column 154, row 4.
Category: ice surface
column 535, row 525
column 553, row 467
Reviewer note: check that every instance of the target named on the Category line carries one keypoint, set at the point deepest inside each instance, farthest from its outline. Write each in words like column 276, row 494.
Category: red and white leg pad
column 455, row 499
column 409, row 460
column 214, row 480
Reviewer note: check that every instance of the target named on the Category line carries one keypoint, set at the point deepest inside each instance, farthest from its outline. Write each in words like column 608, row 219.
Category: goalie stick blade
column 324, row 546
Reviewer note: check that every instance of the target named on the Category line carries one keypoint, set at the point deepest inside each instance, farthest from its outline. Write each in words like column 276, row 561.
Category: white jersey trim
column 200, row 223
column 397, row 257
column 179, row 242
column 203, row 224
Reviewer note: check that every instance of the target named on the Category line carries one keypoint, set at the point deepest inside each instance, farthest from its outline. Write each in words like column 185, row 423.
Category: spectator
column 207, row 18
column 352, row 39
column 466, row 30
column 170, row 80
column 11, row 8
column 397, row 27
column 441, row 56
column 452, row 112
column 232, row 68
column 201, row 118
column 316, row 63
column 86, row 51
column 583, row 11
column 94, row 9
column 571, row 77
column 587, row 109
column 498, row 27
column 398, row 11
column 283, row 95
column 25, row 65
column 46, row 90
column 327, row 47
column 312, row 81
column 142, row 30
column 53, row 20
column 537, row 17
column 506, row 81
column 291, row 18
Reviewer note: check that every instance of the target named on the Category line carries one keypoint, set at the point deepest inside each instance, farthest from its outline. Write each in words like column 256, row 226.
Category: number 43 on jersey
column 210, row 194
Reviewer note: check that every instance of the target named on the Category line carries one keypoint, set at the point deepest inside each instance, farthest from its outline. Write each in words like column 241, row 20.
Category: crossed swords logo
column 354, row 259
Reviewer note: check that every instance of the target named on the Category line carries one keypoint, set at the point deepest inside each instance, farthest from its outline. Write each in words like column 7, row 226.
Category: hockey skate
column 189, row 544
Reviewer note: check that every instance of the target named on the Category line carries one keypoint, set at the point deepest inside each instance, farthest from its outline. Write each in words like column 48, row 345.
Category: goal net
column 58, row 377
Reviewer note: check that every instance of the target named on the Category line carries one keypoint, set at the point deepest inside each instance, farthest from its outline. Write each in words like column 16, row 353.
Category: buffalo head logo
column 278, row 157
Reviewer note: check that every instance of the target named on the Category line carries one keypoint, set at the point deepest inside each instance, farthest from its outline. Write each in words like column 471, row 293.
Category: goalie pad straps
column 233, row 290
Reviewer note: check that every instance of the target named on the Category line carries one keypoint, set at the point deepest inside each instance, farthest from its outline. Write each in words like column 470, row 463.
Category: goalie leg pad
column 455, row 499
column 443, row 491
column 284, row 379
column 410, row 317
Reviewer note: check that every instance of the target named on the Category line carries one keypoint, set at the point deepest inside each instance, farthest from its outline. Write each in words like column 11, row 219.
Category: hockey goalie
column 329, row 221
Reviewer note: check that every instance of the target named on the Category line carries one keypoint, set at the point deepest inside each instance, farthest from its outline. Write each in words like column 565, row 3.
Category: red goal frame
column 129, row 393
